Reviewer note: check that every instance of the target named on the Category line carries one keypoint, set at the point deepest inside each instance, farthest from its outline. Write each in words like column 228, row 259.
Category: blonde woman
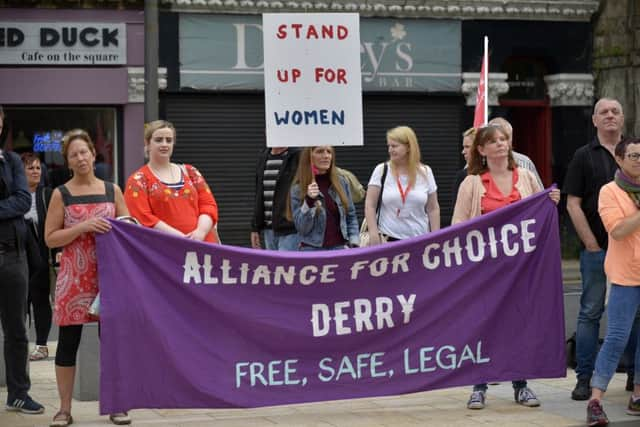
column 321, row 204
column 409, row 205
column 171, row 197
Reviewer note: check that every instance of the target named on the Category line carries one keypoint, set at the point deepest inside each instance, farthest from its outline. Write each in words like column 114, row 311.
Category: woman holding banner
column 321, row 206
column 619, row 208
column 409, row 205
column 170, row 197
column 494, row 181
column 76, row 212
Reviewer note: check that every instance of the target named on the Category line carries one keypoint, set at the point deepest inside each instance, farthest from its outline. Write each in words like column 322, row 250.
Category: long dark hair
column 483, row 135
column 304, row 177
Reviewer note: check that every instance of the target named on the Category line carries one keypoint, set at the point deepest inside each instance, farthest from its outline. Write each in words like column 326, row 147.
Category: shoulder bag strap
column 382, row 181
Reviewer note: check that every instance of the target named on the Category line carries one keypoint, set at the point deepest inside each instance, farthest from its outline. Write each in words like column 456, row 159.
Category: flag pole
column 481, row 110
column 486, row 79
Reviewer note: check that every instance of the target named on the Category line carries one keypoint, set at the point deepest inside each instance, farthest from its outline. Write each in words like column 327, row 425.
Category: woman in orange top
column 495, row 181
column 619, row 208
column 167, row 196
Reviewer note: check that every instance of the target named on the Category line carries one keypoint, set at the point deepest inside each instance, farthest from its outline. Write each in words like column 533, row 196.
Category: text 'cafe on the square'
column 73, row 68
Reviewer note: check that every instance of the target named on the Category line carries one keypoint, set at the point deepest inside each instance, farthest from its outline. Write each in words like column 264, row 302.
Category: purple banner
column 192, row 325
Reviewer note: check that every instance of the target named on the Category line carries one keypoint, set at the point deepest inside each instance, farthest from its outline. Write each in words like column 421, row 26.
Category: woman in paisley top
column 167, row 196
column 76, row 212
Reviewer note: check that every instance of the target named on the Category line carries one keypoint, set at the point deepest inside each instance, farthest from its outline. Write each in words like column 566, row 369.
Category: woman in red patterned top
column 167, row 196
column 76, row 212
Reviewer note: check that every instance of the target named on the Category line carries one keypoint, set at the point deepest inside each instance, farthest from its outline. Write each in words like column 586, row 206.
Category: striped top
column 271, row 172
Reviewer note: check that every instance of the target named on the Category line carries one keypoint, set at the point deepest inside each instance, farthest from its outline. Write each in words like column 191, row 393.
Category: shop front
column 215, row 97
column 66, row 69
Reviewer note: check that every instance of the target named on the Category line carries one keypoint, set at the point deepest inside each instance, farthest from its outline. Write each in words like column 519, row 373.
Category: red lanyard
column 403, row 194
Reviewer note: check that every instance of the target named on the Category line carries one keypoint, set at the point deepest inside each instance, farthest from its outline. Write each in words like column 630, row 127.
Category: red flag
column 481, row 112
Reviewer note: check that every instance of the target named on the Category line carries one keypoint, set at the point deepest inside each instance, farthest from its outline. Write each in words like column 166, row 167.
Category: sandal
column 61, row 419
column 40, row 352
column 120, row 418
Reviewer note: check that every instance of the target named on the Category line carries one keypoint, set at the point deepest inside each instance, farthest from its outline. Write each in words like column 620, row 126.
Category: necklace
column 163, row 177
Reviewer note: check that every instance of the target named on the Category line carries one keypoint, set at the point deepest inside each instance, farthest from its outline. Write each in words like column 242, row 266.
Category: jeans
column 280, row 242
column 622, row 310
column 594, row 285
column 13, row 313
column 307, row 248
column 516, row 385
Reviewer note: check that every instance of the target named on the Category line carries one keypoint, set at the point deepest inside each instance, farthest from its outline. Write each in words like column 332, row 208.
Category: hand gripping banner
column 191, row 325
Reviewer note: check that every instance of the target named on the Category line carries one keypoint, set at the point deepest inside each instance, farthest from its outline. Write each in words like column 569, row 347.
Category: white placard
column 312, row 82
column 65, row 43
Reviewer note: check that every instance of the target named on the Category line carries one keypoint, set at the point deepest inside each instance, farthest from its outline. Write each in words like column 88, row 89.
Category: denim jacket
column 311, row 227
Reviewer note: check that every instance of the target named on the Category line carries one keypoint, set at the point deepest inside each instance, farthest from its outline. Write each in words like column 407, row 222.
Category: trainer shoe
column 40, row 352
column 634, row 406
column 595, row 414
column 526, row 397
column 476, row 401
column 25, row 405
column 120, row 418
column 582, row 390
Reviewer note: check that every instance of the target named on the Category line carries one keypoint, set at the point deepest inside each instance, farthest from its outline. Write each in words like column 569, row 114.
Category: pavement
column 434, row 408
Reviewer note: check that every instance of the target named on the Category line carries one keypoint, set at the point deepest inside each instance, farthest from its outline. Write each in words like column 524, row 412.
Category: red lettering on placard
column 327, row 31
column 282, row 31
column 330, row 75
column 311, row 32
column 343, row 32
column 283, row 75
column 297, row 27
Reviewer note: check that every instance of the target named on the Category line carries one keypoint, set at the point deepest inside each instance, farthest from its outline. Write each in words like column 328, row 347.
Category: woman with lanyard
column 321, row 204
column 409, row 205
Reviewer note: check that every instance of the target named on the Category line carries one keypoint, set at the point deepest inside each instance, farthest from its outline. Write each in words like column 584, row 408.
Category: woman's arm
column 433, row 211
column 353, row 228
column 304, row 216
column 462, row 208
column 618, row 225
column 374, row 192
column 370, row 204
column 207, row 206
column 56, row 236
column 121, row 206
column 626, row 227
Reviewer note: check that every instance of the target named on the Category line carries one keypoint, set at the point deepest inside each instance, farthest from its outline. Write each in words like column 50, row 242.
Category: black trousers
column 39, row 298
column 14, row 273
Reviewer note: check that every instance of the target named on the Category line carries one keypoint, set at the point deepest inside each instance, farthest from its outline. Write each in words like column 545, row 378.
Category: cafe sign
column 63, row 43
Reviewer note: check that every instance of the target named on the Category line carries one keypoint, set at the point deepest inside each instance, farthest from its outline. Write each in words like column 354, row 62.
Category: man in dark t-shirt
column 593, row 165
